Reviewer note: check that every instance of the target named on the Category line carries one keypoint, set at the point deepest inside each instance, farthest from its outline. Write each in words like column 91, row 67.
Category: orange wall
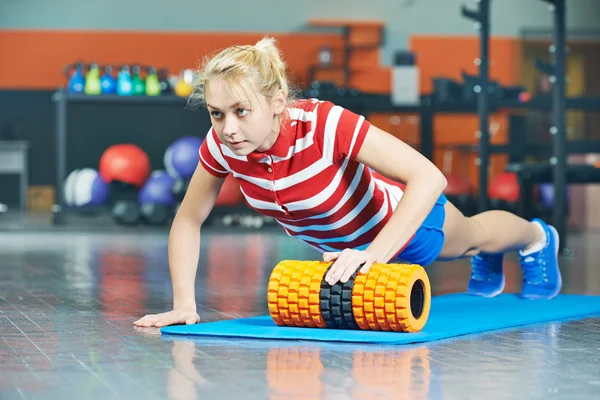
column 447, row 56
column 36, row 59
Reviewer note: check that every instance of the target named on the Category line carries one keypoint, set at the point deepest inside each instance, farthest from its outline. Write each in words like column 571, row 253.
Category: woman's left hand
column 346, row 263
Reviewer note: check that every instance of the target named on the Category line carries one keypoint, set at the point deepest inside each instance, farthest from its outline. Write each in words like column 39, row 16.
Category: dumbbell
column 389, row 297
column 126, row 212
column 179, row 189
column 123, row 198
column 155, row 214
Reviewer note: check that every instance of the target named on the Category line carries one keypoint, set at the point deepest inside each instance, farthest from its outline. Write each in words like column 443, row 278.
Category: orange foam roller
column 389, row 297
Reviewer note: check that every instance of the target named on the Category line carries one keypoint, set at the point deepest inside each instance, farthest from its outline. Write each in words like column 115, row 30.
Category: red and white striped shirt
column 310, row 181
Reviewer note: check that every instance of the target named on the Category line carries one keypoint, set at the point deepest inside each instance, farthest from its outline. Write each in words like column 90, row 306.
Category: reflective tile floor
column 67, row 302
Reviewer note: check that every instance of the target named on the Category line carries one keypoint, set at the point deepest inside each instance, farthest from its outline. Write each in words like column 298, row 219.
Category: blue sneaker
column 541, row 274
column 487, row 276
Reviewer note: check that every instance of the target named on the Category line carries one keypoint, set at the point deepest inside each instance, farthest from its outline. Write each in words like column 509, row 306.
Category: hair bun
column 266, row 45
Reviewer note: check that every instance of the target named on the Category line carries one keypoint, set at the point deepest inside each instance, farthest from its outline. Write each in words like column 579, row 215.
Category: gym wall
column 402, row 18
column 38, row 38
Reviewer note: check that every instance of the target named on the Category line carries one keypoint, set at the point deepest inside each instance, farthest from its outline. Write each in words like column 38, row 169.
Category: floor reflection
column 67, row 302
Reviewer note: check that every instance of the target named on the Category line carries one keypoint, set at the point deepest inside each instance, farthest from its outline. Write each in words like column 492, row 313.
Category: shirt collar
column 280, row 148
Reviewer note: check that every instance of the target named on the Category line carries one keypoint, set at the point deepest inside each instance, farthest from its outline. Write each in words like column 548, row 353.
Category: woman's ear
column 278, row 102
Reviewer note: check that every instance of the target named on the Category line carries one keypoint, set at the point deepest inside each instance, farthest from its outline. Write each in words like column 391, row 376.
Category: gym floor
column 68, row 299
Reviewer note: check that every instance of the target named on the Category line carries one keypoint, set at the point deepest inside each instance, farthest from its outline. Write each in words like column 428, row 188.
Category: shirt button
column 270, row 170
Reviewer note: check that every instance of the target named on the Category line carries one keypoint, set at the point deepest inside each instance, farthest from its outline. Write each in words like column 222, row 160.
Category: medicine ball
column 125, row 163
column 457, row 185
column 230, row 193
column 85, row 187
column 505, row 186
column 157, row 189
column 181, row 157
column 547, row 194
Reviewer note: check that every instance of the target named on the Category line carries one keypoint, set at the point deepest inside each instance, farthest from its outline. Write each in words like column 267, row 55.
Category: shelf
column 78, row 98
column 586, row 103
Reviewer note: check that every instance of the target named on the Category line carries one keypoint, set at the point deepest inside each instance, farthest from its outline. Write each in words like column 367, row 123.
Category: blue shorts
column 427, row 243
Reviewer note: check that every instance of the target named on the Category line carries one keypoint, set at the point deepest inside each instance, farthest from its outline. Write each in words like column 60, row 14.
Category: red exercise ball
column 230, row 194
column 505, row 186
column 457, row 185
column 126, row 163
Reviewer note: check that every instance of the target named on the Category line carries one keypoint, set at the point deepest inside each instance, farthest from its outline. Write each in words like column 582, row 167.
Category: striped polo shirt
column 310, row 181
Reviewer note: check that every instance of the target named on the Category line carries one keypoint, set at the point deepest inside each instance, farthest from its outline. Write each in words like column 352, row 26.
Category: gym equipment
column 390, row 297
column 156, row 198
column 126, row 212
column 472, row 87
column 157, row 189
column 184, row 88
column 457, row 185
column 230, row 193
column 108, row 84
column 85, row 187
column 124, row 86
column 138, row 87
column 152, row 83
column 123, row 198
column 92, row 80
column 547, row 194
column 126, row 163
column 459, row 190
column 478, row 314
column 505, row 186
column 181, row 157
column 504, row 192
column 446, row 90
column 77, row 78
column 165, row 85
column 179, row 188
column 481, row 17
column 529, row 174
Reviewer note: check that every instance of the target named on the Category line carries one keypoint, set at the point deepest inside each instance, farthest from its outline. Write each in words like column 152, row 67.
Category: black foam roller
column 336, row 304
column 324, row 297
column 347, row 303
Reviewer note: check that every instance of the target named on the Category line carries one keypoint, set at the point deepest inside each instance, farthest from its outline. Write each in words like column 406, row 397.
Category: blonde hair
column 261, row 64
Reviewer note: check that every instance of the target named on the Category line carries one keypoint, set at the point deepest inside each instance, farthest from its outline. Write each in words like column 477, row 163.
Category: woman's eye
column 241, row 112
column 216, row 114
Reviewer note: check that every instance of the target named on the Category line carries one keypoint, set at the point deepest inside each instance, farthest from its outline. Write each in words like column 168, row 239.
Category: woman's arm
column 184, row 249
column 396, row 160
column 184, row 236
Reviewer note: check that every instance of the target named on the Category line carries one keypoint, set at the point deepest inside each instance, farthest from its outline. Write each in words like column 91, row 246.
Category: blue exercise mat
column 451, row 315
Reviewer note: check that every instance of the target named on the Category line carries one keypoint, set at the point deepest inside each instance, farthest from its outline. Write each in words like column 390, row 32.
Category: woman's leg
column 487, row 236
column 490, row 232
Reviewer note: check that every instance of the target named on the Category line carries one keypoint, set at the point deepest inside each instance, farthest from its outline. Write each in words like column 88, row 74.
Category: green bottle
column 137, row 83
column 92, row 80
column 152, row 83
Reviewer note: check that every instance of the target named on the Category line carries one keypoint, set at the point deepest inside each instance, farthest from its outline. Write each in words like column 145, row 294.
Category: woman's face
column 243, row 123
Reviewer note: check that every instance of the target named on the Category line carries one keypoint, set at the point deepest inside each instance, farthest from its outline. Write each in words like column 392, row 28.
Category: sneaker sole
column 492, row 294
column 556, row 246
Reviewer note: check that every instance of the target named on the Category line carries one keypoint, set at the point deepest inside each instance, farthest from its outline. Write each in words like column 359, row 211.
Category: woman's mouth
column 237, row 145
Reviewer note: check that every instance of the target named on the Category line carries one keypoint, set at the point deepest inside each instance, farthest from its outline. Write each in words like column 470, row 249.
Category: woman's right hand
column 177, row 316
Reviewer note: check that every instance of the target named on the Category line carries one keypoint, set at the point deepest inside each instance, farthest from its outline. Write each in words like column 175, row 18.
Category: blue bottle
column 77, row 80
column 108, row 83
column 124, row 86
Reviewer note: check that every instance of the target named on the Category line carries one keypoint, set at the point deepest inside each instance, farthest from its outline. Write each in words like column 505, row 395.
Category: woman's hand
column 177, row 316
column 346, row 263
